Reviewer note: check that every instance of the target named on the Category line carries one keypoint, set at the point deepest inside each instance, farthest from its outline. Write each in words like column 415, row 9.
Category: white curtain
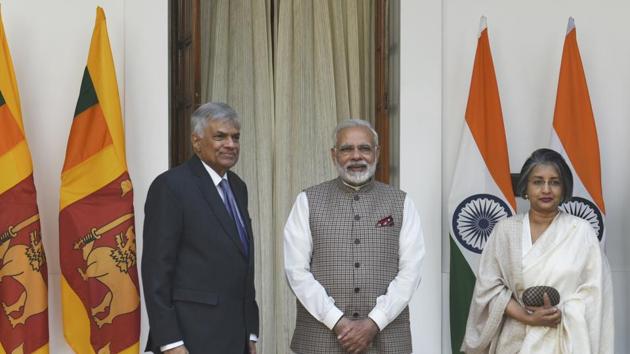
column 290, row 90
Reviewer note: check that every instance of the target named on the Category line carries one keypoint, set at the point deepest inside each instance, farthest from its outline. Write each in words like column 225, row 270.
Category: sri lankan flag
column 481, row 193
column 23, row 270
column 97, row 244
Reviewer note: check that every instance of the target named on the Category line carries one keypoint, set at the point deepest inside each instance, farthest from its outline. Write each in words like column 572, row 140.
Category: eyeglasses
column 347, row 150
column 541, row 183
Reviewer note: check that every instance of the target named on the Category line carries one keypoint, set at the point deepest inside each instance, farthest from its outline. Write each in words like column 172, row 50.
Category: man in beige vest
column 353, row 250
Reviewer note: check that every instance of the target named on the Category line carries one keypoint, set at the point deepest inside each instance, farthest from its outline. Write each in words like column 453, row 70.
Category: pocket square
column 388, row 221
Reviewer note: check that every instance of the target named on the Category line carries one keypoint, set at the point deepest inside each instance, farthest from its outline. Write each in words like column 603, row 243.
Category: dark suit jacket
column 198, row 283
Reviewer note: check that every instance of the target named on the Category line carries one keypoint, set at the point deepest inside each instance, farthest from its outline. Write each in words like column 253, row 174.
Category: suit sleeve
column 252, row 321
column 252, row 313
column 252, row 306
column 161, row 236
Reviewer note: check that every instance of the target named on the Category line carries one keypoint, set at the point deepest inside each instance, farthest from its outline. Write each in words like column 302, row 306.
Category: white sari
column 567, row 257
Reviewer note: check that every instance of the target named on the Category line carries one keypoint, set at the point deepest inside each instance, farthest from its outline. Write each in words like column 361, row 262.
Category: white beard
column 356, row 178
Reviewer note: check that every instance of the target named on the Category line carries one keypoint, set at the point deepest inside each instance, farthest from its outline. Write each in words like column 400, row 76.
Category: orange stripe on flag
column 485, row 120
column 11, row 134
column 88, row 136
column 574, row 122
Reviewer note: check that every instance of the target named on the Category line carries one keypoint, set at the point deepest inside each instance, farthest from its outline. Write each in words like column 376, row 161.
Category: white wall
column 49, row 41
column 146, row 104
column 420, row 160
column 526, row 39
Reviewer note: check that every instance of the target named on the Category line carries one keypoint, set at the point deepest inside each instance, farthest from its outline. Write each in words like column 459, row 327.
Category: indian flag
column 481, row 193
column 575, row 137
column 23, row 269
column 97, row 244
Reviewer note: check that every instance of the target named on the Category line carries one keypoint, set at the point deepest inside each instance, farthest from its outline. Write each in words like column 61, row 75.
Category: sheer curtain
column 290, row 89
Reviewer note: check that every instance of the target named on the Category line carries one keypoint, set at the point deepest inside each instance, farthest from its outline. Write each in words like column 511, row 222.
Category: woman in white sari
column 544, row 247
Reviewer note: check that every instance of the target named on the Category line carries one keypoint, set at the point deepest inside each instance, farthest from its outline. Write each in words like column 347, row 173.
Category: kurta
column 567, row 256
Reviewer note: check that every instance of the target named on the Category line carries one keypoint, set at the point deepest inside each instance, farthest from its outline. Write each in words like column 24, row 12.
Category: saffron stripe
column 88, row 136
column 11, row 133
column 574, row 121
column 485, row 119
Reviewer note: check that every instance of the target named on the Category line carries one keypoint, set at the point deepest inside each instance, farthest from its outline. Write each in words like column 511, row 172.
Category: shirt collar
column 216, row 179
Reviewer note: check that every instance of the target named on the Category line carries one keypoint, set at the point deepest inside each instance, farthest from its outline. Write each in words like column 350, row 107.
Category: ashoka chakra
column 586, row 210
column 475, row 217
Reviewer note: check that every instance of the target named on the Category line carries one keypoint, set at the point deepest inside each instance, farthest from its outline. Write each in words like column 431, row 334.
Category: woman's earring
column 525, row 196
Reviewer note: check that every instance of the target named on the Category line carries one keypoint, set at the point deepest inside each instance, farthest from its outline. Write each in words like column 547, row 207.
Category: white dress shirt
column 216, row 179
column 298, row 247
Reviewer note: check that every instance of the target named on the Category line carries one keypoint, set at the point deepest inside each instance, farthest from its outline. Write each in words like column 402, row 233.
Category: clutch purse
column 533, row 296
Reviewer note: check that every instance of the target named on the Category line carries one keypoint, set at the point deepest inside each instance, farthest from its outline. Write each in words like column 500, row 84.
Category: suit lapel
column 212, row 197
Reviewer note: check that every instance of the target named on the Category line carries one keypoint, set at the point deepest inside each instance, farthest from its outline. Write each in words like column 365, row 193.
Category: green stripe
column 2, row 101
column 462, row 284
column 87, row 95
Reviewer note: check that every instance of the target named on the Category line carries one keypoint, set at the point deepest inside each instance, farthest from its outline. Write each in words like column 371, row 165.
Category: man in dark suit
column 198, row 254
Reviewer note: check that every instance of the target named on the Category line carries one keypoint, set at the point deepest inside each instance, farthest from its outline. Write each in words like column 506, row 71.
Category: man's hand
column 342, row 327
column 252, row 347
column 177, row 350
column 546, row 315
column 357, row 335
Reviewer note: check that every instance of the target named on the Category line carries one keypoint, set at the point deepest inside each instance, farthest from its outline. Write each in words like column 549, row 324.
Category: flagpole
column 570, row 25
column 483, row 24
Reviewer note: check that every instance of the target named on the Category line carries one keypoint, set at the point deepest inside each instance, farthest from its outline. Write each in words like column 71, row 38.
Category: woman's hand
column 546, row 315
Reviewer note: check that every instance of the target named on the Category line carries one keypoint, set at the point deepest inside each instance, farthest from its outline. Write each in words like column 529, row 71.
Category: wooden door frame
column 381, row 119
column 185, row 85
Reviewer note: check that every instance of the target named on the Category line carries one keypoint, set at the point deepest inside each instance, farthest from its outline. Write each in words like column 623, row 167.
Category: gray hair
column 550, row 158
column 350, row 123
column 212, row 111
